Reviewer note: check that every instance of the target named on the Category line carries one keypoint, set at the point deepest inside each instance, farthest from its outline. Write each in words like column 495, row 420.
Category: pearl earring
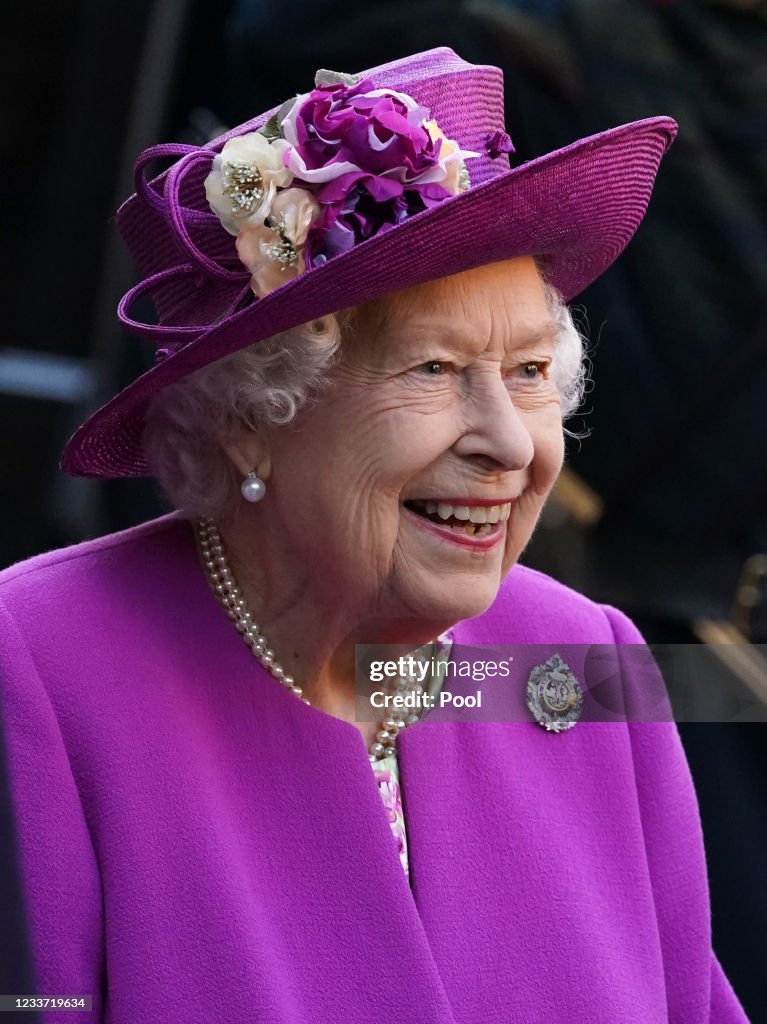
column 253, row 487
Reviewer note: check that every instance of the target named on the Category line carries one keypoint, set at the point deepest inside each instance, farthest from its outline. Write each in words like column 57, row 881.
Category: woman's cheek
column 545, row 426
column 551, row 463
column 524, row 516
column 548, row 441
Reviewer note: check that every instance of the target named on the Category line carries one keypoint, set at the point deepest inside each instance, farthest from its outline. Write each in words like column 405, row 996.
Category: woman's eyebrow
column 447, row 331
column 545, row 332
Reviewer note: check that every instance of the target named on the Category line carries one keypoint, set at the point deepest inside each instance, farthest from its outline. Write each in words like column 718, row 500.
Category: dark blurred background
column 660, row 511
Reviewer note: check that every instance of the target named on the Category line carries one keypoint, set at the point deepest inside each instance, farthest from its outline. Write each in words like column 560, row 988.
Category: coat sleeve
column 61, row 892
column 697, row 989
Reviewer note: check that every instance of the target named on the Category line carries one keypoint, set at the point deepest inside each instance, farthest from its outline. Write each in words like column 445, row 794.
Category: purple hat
column 365, row 185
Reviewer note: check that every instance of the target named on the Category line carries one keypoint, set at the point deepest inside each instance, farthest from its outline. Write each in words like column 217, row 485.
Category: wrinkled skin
column 435, row 396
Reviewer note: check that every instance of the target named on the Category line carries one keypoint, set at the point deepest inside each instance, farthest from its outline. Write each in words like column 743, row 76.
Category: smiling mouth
column 474, row 520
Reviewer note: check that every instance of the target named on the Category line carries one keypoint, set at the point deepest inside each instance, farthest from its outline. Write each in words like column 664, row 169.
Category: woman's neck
column 312, row 626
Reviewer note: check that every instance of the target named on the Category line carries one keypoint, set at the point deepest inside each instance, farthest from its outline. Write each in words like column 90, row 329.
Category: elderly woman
column 363, row 364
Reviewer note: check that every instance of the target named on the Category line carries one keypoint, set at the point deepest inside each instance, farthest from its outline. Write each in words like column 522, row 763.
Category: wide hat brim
column 576, row 208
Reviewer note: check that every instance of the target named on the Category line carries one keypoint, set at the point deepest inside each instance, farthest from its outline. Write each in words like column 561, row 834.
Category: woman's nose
column 495, row 430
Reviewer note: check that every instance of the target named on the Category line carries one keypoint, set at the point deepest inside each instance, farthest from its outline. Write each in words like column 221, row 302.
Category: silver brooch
column 554, row 695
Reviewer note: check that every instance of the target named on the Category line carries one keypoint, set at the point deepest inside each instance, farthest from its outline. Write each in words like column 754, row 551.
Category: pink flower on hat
column 372, row 158
column 273, row 251
column 339, row 128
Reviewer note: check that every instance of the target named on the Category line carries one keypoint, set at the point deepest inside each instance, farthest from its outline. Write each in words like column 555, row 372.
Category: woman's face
column 440, row 414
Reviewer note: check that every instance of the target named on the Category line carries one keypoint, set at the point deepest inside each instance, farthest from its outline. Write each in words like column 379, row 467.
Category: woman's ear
column 249, row 452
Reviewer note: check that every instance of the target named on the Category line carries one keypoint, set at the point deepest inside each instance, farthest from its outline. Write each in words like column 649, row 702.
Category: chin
column 456, row 600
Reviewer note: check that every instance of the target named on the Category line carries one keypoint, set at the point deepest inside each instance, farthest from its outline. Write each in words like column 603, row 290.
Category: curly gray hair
column 266, row 385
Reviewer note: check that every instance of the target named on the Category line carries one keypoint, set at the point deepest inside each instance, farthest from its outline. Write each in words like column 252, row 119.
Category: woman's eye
column 531, row 371
column 434, row 368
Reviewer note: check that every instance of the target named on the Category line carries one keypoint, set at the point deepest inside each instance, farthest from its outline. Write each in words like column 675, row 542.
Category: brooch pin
column 554, row 695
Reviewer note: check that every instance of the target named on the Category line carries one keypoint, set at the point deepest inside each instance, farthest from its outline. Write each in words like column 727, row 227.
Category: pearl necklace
column 229, row 595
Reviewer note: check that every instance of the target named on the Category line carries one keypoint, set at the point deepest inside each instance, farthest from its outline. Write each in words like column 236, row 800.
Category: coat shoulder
column 532, row 607
column 56, row 580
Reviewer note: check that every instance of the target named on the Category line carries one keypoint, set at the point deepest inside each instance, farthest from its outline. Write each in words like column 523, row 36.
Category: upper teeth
column 471, row 513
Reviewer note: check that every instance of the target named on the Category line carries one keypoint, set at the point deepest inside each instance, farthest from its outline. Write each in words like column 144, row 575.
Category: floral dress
column 387, row 777
column 386, row 770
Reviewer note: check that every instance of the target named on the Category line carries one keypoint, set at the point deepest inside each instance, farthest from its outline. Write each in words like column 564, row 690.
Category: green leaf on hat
column 325, row 77
column 272, row 130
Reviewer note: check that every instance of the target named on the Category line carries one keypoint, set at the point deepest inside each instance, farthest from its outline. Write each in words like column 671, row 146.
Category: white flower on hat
column 244, row 179
column 273, row 251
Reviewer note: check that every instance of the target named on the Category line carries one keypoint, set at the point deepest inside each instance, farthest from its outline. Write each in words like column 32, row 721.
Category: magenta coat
column 196, row 845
